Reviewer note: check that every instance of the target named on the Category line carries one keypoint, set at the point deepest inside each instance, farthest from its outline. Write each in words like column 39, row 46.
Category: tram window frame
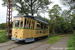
column 21, row 22
column 18, row 23
column 33, row 25
column 29, row 24
column 42, row 26
column 38, row 25
column 45, row 26
column 25, row 23
column 21, row 25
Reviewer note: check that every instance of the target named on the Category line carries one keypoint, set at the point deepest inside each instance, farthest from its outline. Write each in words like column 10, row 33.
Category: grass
column 54, row 39
column 3, row 37
column 1, row 32
column 71, row 42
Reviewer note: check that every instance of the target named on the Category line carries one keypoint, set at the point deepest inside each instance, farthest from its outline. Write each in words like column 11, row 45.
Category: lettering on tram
column 29, row 28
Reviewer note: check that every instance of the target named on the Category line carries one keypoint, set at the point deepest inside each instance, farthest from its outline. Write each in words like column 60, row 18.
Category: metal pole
column 8, row 17
column 53, row 26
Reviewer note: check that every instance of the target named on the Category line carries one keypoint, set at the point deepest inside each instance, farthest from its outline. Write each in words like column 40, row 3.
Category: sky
column 3, row 11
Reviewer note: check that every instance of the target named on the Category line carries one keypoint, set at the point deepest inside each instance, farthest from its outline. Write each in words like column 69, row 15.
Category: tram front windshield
column 18, row 23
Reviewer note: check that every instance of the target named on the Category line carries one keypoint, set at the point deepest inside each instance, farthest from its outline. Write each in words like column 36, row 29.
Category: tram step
column 29, row 39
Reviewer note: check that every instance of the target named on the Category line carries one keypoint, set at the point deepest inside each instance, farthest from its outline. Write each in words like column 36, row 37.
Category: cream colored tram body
column 28, row 28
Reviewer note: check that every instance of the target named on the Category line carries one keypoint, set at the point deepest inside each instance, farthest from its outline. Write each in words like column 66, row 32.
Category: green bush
column 3, row 37
column 71, row 42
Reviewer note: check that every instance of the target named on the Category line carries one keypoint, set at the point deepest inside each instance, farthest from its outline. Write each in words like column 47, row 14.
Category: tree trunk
column 31, row 8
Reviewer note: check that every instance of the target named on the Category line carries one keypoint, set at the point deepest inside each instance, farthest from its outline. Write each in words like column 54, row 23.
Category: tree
column 2, row 26
column 73, row 21
column 59, row 22
column 29, row 7
column 54, row 13
column 66, row 15
column 69, row 3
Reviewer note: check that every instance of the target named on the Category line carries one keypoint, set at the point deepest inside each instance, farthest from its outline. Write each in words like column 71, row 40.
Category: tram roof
column 35, row 18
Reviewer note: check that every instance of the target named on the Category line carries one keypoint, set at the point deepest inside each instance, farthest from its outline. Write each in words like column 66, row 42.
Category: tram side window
column 17, row 24
column 32, row 26
column 41, row 25
column 46, row 27
column 38, row 25
column 21, row 24
column 25, row 23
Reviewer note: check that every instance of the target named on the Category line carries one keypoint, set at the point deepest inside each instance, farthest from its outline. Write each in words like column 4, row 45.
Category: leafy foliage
column 3, row 37
column 71, row 42
column 29, row 7
column 55, row 11
column 73, row 22
column 2, row 26
column 69, row 3
column 63, row 21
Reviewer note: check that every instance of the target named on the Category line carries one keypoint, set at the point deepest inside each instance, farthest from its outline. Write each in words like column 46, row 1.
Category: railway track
column 15, row 45
column 37, row 46
column 7, row 45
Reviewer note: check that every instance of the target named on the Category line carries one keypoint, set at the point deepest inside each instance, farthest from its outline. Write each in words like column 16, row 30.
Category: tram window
column 38, row 25
column 25, row 23
column 45, row 26
column 17, row 24
column 21, row 24
column 32, row 26
column 41, row 25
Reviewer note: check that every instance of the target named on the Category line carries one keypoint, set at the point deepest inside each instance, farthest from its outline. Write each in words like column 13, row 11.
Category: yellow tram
column 28, row 28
